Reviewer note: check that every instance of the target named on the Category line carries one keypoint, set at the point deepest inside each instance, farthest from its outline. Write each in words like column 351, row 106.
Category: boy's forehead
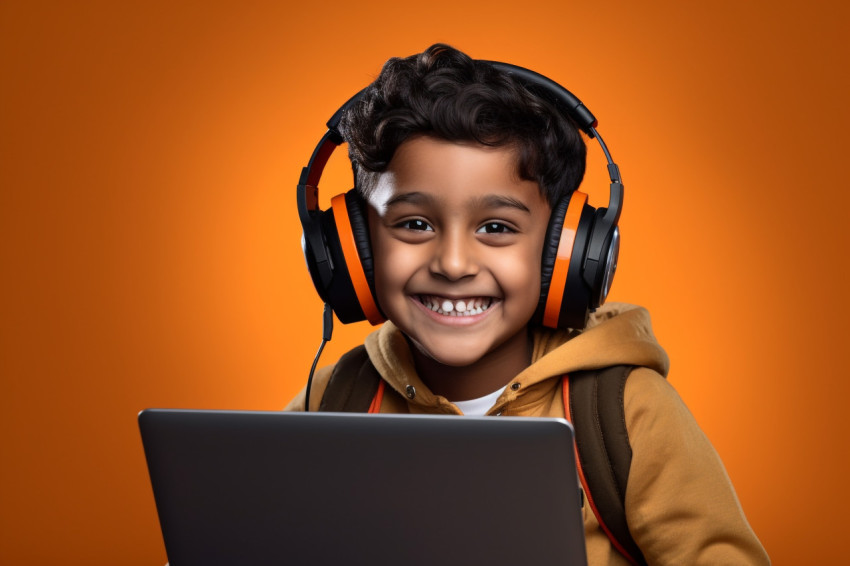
column 422, row 152
column 428, row 170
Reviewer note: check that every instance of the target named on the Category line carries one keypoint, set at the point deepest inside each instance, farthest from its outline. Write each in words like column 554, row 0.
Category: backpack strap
column 353, row 384
column 593, row 400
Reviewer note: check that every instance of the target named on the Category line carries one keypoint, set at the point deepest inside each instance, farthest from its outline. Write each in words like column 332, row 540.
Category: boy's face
column 457, row 239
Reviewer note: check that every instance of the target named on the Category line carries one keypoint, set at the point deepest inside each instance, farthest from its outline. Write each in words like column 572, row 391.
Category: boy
column 459, row 166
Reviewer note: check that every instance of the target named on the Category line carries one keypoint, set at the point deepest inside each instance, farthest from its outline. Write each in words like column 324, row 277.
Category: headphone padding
column 550, row 253
column 357, row 216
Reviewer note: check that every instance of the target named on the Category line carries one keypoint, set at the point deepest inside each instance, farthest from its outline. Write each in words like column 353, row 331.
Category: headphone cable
column 327, row 331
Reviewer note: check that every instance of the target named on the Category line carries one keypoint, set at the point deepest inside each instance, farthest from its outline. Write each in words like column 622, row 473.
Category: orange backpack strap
column 593, row 401
column 354, row 384
column 375, row 407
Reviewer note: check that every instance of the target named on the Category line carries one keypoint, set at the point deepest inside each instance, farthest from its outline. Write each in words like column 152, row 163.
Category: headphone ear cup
column 599, row 273
column 339, row 292
column 312, row 264
column 550, row 253
column 564, row 298
column 351, row 292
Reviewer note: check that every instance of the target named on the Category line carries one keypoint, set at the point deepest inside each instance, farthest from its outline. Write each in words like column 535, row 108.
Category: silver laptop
column 263, row 488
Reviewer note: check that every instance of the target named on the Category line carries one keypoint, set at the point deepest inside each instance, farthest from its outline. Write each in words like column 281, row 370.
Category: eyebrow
column 500, row 201
column 489, row 201
column 411, row 198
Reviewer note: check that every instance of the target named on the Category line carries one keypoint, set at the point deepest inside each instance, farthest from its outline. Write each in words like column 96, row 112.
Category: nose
column 454, row 257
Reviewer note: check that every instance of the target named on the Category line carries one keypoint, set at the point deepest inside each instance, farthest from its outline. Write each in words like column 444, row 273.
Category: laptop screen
column 235, row 487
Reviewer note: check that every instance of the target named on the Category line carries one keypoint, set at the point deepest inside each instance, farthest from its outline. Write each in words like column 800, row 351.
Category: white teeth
column 459, row 307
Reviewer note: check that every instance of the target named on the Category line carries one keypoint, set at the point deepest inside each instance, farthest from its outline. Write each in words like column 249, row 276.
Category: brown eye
column 494, row 228
column 416, row 224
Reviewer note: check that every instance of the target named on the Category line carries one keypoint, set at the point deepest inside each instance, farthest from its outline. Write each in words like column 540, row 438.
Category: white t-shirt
column 478, row 407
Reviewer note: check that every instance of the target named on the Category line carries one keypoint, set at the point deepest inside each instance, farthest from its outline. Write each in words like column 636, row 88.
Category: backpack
column 593, row 400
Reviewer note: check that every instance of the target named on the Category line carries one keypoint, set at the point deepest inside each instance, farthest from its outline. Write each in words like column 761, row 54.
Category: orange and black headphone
column 579, row 254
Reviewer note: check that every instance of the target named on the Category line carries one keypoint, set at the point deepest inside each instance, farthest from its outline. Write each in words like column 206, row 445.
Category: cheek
column 519, row 277
column 394, row 266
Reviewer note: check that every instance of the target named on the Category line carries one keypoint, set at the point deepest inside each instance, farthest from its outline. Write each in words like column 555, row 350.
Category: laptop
column 261, row 488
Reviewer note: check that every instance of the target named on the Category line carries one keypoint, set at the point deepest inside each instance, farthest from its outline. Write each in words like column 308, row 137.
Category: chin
column 454, row 354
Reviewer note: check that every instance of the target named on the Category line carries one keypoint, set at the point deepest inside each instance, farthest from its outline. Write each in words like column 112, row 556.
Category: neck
column 490, row 373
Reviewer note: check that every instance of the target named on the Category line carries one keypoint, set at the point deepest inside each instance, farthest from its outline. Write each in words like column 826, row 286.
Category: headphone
column 579, row 253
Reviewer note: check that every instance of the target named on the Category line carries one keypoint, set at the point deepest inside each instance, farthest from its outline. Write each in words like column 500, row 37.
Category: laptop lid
column 256, row 488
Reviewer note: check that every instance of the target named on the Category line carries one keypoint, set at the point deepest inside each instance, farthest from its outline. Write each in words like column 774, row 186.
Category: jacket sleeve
column 317, row 390
column 680, row 504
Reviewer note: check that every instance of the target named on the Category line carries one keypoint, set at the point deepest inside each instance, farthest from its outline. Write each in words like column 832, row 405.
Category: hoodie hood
column 616, row 333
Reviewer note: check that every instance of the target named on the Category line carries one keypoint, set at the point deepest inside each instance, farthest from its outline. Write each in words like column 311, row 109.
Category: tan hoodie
column 680, row 505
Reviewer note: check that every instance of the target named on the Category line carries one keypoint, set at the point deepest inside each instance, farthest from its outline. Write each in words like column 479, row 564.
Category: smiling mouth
column 468, row 306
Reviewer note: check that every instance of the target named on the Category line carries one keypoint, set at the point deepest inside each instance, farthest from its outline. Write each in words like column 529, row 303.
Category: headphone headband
column 554, row 92
column 534, row 81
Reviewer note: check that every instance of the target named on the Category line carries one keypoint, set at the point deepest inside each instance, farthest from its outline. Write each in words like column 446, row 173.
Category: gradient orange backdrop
column 150, row 243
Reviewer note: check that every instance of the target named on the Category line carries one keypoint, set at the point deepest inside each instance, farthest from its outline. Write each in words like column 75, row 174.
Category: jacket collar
column 616, row 334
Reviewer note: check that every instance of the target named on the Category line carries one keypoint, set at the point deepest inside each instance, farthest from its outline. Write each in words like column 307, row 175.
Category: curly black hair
column 443, row 93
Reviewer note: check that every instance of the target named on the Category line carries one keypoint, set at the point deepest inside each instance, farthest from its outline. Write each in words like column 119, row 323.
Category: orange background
column 150, row 242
